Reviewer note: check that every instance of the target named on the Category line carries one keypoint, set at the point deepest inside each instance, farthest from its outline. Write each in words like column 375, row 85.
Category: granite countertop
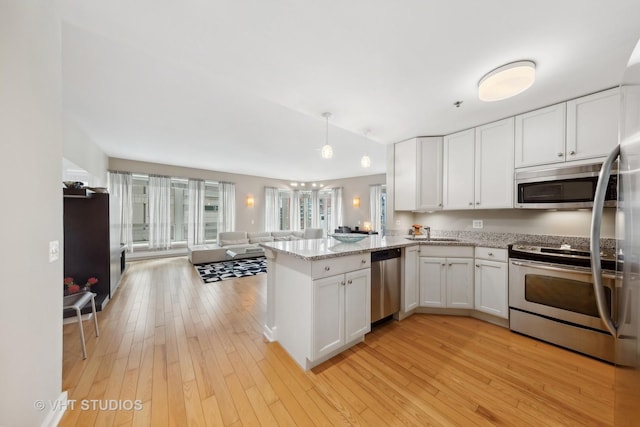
column 316, row 249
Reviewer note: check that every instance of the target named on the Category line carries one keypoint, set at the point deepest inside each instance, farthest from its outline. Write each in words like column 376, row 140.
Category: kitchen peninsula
column 319, row 295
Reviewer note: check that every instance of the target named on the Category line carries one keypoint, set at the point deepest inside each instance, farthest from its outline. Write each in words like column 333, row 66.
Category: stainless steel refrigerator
column 623, row 319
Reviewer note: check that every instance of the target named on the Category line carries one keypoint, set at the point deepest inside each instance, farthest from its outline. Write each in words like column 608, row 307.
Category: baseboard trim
column 56, row 410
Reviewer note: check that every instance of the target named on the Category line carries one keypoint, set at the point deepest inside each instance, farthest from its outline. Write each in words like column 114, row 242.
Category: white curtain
column 375, row 207
column 159, row 212
column 120, row 188
column 227, row 211
column 336, row 202
column 315, row 209
column 295, row 211
column 195, row 224
column 271, row 209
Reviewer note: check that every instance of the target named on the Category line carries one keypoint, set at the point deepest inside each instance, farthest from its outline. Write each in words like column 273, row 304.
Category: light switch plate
column 477, row 223
column 54, row 250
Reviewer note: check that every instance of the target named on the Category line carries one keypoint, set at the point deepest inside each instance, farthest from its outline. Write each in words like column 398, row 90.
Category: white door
column 430, row 173
column 494, row 165
column 491, row 288
column 592, row 125
column 459, row 283
column 458, row 164
column 540, row 136
column 357, row 304
column 328, row 315
column 411, row 297
column 432, row 273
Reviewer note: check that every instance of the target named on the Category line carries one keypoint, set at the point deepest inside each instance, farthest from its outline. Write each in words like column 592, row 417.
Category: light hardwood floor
column 193, row 354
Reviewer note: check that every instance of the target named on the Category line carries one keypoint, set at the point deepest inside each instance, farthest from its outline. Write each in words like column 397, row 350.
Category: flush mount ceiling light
column 365, row 161
column 327, row 151
column 507, row 81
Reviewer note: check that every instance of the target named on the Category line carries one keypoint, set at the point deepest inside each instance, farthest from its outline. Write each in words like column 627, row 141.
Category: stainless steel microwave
column 569, row 187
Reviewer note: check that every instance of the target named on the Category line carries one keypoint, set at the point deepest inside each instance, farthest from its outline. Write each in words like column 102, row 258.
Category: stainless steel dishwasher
column 385, row 283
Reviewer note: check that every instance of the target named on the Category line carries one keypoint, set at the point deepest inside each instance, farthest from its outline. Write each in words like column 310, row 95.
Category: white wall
column 252, row 219
column 82, row 151
column 30, row 170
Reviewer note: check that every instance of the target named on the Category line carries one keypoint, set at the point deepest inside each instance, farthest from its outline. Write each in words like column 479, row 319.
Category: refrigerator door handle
column 596, row 219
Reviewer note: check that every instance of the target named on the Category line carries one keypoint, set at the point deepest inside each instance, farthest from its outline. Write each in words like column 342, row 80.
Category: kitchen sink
column 433, row 239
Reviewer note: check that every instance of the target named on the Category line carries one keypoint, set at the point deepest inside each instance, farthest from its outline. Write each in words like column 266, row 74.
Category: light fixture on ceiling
column 365, row 161
column 507, row 81
column 327, row 150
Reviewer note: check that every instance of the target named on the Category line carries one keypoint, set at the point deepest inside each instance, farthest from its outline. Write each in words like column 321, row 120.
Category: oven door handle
column 596, row 221
column 560, row 269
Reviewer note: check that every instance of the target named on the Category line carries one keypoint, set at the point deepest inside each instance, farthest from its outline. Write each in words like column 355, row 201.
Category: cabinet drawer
column 491, row 254
column 446, row 251
column 332, row 266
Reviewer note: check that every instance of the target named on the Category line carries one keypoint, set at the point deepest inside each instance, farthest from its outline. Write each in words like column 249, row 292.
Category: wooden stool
column 76, row 302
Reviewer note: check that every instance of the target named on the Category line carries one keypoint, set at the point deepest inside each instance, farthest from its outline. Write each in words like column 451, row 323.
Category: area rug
column 225, row 270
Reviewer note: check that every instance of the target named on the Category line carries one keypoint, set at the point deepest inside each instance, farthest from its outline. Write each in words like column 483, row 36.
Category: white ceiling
column 241, row 85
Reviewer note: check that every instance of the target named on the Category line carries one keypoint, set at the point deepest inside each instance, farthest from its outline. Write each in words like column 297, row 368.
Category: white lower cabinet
column 411, row 294
column 341, row 311
column 491, row 282
column 446, row 281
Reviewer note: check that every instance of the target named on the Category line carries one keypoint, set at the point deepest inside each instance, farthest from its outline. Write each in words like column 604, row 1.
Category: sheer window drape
column 227, row 212
column 375, row 207
column 159, row 212
column 271, row 209
column 295, row 211
column 336, row 203
column 195, row 224
column 120, row 188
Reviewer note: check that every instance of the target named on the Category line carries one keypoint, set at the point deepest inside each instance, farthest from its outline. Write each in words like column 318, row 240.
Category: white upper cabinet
column 458, row 166
column 577, row 130
column 540, row 136
column 478, row 167
column 405, row 173
column 418, row 174
column 430, row 176
column 592, row 125
column 494, row 165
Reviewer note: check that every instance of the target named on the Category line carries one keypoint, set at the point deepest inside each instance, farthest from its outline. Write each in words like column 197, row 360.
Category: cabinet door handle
column 450, row 264
column 572, row 152
column 443, row 264
column 350, row 281
column 560, row 154
column 478, row 265
column 439, row 204
column 327, row 268
column 477, row 203
column 470, row 203
column 490, row 254
column 364, row 261
column 342, row 283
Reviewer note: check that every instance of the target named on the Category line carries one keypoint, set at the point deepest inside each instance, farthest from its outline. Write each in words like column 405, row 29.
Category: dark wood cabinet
column 91, row 242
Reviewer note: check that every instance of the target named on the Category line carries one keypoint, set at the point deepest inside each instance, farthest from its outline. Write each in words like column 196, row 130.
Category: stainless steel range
column 551, row 297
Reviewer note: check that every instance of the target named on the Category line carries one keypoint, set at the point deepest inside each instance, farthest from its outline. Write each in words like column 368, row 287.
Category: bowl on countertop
column 348, row 237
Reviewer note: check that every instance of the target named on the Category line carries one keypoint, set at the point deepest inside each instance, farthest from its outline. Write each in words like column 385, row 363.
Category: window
column 284, row 199
column 325, row 210
column 211, row 208
column 306, row 209
column 179, row 211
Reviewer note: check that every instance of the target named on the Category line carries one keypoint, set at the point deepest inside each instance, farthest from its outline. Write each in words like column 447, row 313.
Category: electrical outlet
column 54, row 250
column 477, row 223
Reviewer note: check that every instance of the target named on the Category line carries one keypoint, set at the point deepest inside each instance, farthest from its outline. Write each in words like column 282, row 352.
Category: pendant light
column 365, row 161
column 327, row 151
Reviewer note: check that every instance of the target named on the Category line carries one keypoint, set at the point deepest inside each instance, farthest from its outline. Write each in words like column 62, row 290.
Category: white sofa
column 249, row 241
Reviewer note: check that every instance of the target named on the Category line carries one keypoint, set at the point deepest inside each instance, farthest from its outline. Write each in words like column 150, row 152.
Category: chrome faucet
column 427, row 232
